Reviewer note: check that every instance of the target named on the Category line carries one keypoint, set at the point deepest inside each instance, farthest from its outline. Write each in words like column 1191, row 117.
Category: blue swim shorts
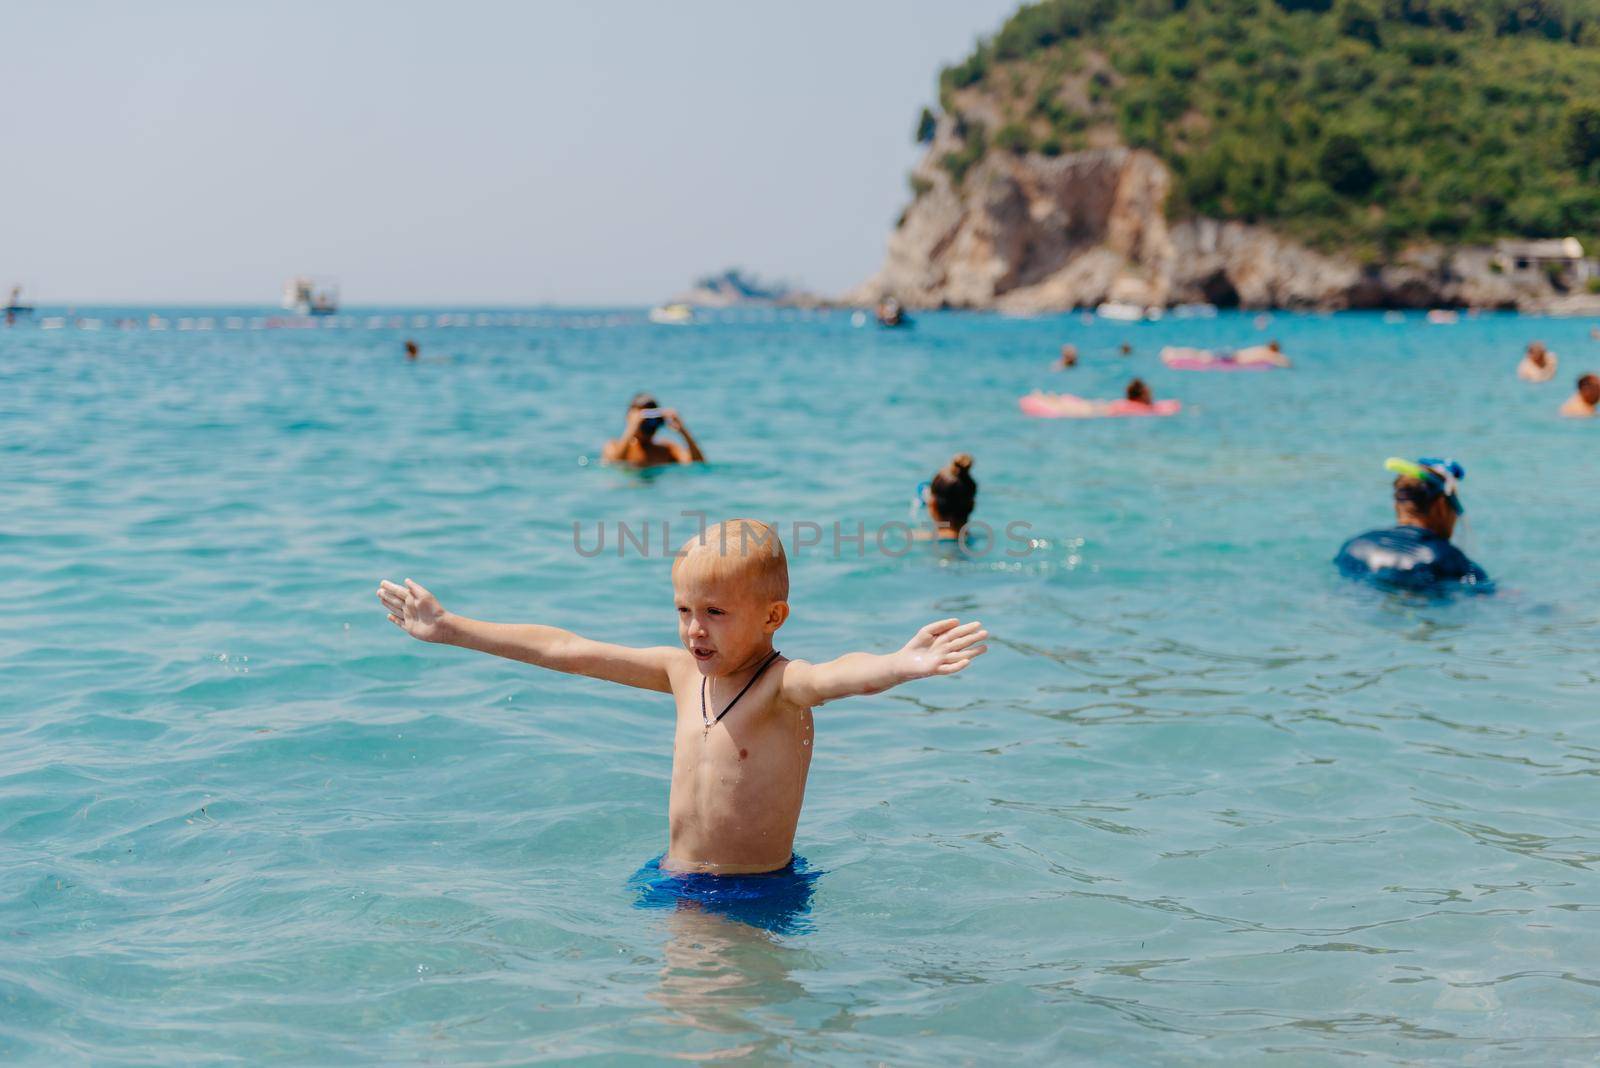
column 777, row 901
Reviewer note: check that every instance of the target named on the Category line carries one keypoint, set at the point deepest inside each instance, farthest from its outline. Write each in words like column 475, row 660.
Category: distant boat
column 1443, row 316
column 733, row 287
column 673, row 315
column 1121, row 312
column 1195, row 311
column 309, row 296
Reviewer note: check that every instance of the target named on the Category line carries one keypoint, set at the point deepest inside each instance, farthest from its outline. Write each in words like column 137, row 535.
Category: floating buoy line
column 408, row 321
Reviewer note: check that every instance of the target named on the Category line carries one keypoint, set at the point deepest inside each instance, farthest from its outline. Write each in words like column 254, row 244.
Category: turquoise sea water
column 1201, row 802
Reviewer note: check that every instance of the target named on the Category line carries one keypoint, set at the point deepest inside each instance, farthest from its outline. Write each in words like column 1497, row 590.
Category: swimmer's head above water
column 1589, row 389
column 651, row 423
column 1139, row 393
column 1426, row 493
column 952, row 495
column 638, row 447
column 731, row 589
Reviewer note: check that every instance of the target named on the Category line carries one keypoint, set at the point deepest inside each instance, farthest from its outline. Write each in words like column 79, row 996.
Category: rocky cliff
column 1030, row 233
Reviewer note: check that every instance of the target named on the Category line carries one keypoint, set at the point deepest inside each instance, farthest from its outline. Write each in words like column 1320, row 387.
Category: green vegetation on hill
column 1350, row 123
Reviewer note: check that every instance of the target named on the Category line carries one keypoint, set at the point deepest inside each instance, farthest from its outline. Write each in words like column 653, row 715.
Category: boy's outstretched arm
column 418, row 613
column 941, row 648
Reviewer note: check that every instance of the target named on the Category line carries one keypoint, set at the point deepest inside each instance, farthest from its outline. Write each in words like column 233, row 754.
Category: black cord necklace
column 705, row 717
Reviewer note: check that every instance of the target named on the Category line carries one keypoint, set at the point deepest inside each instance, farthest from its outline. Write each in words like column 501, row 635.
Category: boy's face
column 723, row 624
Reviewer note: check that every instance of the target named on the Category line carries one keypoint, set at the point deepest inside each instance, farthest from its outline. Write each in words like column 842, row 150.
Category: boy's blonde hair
column 743, row 552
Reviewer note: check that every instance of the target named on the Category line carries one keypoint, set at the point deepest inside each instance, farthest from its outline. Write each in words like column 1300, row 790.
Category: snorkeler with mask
column 637, row 445
column 1416, row 553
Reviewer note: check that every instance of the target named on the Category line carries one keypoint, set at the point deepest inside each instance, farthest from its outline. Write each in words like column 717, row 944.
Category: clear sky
column 597, row 151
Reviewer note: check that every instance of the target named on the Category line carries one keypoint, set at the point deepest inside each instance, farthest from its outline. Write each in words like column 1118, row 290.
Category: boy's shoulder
column 784, row 683
column 796, row 684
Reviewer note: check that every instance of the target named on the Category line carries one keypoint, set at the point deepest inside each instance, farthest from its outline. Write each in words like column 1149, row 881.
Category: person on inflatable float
column 1270, row 353
column 1416, row 553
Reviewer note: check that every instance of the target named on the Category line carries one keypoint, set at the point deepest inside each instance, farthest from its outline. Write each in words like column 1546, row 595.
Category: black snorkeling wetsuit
column 1409, row 558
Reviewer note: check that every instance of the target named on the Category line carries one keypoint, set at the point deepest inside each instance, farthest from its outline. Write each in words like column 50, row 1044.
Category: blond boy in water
column 742, row 746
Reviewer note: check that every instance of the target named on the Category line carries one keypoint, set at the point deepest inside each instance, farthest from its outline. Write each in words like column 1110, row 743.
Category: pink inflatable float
column 1255, row 358
column 1067, row 406
column 1211, row 363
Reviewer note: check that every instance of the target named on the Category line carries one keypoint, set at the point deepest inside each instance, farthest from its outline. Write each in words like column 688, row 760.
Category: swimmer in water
column 1583, row 404
column 1538, row 363
column 412, row 352
column 1415, row 553
column 890, row 313
column 950, row 498
column 742, row 743
column 1069, row 358
column 637, row 445
column 1139, row 393
column 1125, row 349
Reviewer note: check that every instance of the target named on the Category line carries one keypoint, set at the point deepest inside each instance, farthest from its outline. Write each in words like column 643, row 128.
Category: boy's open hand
column 942, row 648
column 413, row 609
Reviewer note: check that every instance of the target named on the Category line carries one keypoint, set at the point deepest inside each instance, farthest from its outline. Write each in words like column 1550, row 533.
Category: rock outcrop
column 1033, row 234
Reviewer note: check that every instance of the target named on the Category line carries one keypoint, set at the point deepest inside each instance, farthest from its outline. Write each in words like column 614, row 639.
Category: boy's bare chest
column 752, row 747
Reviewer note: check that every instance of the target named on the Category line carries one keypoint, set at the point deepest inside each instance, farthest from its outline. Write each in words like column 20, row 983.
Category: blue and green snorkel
column 1442, row 477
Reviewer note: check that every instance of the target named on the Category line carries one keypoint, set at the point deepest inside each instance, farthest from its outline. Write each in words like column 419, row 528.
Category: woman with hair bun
column 950, row 498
